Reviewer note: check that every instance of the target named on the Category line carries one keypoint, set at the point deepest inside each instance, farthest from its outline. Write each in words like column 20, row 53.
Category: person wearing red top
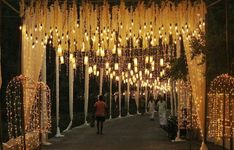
column 100, row 112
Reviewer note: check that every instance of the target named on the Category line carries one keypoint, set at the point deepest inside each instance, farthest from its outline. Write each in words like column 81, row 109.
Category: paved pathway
column 129, row 133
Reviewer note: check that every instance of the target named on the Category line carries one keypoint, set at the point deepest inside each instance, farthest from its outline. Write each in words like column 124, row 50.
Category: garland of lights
column 43, row 92
column 220, row 108
column 22, row 126
column 133, row 41
column 187, row 115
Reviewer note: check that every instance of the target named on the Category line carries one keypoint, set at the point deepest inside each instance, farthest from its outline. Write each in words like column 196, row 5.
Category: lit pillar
column 120, row 96
column 86, row 92
column 128, row 97
column 171, row 99
column 101, row 81
column 175, row 98
column 58, row 134
column 146, row 98
column 71, row 88
column 110, row 97
column 179, row 113
column 137, row 96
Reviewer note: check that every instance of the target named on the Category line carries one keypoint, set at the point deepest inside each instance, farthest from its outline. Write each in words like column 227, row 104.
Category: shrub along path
column 128, row 133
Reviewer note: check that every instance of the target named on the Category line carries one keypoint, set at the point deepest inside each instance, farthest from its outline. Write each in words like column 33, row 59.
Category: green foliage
column 198, row 46
column 179, row 68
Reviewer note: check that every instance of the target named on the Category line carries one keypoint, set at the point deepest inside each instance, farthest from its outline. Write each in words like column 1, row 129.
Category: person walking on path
column 100, row 112
column 151, row 108
column 162, row 109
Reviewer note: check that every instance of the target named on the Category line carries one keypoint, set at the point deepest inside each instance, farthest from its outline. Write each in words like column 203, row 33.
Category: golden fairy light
column 110, row 43
column 116, row 66
column 111, row 39
column 161, row 62
column 23, row 122
column 220, row 108
column 107, row 65
column 59, row 50
column 61, row 59
column 86, row 60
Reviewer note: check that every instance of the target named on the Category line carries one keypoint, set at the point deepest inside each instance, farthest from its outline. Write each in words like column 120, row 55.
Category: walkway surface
column 128, row 133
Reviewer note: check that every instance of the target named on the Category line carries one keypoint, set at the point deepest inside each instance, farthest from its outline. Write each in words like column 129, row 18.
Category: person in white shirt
column 151, row 108
column 162, row 109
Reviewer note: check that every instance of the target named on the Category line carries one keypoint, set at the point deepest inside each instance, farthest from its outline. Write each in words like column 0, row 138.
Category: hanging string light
column 113, row 36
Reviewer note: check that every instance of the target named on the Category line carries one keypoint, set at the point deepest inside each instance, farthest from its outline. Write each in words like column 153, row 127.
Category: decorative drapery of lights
column 100, row 28
column 187, row 114
column 220, row 108
column 43, row 107
column 184, row 97
column 25, row 133
column 131, row 43
column 196, row 72
column 116, row 37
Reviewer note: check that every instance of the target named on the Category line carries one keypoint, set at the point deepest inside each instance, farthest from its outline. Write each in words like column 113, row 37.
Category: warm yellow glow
column 114, row 50
column 135, row 61
column 97, row 34
column 161, row 74
column 61, row 60
column 111, row 76
column 126, row 74
column 129, row 66
column 116, row 66
column 83, row 47
column 94, row 67
column 102, row 52
column 140, row 73
column 146, row 59
column 161, row 62
column 60, row 51
column 98, row 52
column 137, row 76
column 135, row 69
column 107, row 65
column 86, row 60
column 74, row 65
column 90, row 70
column 113, row 73
column 151, row 59
column 151, row 75
column 119, row 52
column 71, row 57
column 131, row 72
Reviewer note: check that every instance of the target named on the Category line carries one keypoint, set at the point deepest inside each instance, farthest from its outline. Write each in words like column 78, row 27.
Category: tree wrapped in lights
column 220, row 109
column 24, row 129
